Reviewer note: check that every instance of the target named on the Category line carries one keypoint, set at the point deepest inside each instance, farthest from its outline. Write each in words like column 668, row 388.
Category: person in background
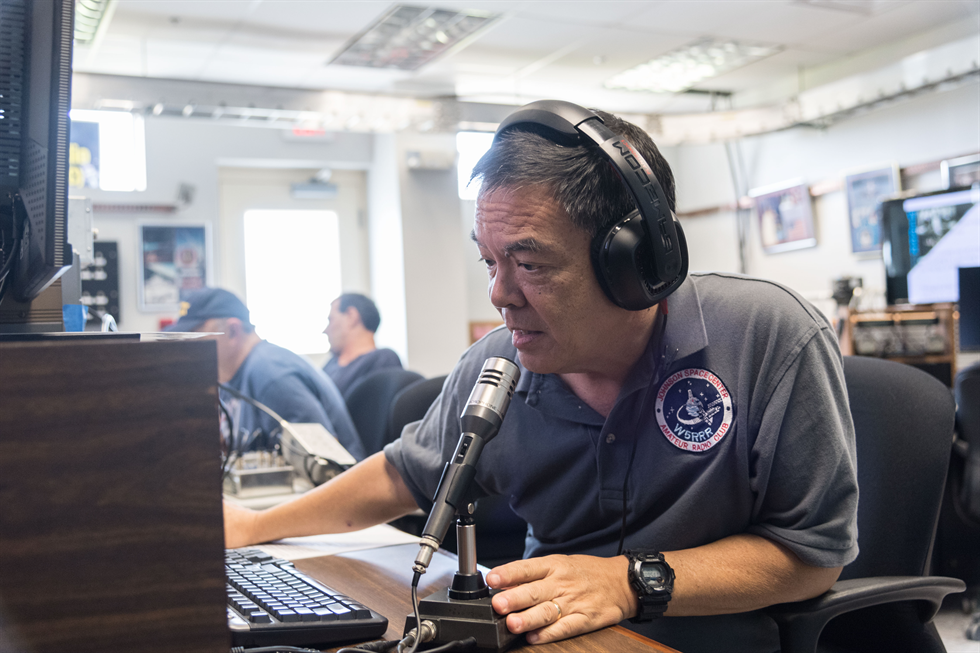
column 285, row 382
column 353, row 321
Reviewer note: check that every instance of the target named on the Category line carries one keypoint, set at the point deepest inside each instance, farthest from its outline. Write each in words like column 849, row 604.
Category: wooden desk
column 382, row 579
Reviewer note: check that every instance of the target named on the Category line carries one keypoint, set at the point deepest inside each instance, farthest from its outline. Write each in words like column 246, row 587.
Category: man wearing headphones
column 681, row 447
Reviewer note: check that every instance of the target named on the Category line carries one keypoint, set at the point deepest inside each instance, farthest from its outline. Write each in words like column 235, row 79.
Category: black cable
column 274, row 649
column 415, row 606
column 636, row 437
column 16, row 240
column 378, row 647
column 467, row 644
column 235, row 393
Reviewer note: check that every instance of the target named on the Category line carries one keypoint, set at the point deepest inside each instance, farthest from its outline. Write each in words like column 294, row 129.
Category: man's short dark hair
column 580, row 178
column 370, row 317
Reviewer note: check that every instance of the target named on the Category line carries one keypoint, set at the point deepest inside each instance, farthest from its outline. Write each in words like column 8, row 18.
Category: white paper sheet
column 297, row 548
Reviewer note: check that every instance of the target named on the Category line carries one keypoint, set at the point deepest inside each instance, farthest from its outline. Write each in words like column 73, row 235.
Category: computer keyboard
column 272, row 603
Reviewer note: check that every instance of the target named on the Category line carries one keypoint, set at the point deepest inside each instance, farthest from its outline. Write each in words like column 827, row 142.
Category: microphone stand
column 464, row 609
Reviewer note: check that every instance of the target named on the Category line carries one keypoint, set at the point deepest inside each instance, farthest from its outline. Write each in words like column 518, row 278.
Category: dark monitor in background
column 35, row 97
column 925, row 239
column 969, row 286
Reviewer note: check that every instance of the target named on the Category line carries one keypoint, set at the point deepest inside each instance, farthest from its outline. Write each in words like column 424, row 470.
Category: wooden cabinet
column 110, row 497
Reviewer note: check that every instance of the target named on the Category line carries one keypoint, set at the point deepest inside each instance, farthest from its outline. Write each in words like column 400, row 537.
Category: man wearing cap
column 276, row 377
column 353, row 321
column 681, row 464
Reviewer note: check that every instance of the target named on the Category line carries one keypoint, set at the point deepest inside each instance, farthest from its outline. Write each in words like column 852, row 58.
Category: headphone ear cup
column 623, row 261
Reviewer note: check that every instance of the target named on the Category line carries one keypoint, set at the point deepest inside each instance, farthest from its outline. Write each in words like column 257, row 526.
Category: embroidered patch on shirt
column 694, row 409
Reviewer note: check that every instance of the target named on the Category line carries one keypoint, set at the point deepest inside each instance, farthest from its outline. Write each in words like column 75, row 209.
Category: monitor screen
column 969, row 286
column 926, row 239
column 35, row 97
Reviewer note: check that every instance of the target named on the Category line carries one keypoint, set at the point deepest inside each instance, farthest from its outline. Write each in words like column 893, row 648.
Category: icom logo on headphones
column 694, row 409
column 641, row 170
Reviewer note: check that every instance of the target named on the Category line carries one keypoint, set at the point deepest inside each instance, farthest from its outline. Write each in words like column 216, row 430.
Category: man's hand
column 239, row 523
column 556, row 597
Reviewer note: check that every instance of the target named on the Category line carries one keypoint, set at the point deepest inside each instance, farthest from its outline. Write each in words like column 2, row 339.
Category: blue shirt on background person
column 283, row 381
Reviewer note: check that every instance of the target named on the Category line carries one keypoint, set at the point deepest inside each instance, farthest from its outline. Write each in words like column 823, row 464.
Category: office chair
column 411, row 404
column 903, row 423
column 370, row 400
column 500, row 533
column 963, row 493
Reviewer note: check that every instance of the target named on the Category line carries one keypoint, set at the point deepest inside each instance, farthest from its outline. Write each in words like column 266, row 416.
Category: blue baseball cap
column 207, row 304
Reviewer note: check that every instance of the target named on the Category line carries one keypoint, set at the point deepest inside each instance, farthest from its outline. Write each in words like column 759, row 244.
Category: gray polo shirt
column 741, row 423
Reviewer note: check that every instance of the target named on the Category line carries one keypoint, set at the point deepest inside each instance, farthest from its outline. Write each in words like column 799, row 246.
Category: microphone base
column 457, row 619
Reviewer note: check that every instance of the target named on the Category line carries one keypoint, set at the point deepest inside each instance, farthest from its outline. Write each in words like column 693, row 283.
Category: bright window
column 471, row 146
column 121, row 149
column 292, row 273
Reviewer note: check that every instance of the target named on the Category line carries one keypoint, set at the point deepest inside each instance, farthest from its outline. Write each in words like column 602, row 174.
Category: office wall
column 436, row 301
column 192, row 151
column 923, row 129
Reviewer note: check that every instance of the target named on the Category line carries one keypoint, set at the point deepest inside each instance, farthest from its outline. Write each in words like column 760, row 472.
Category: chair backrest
column 968, row 426
column 968, row 404
column 369, row 402
column 410, row 404
column 903, row 424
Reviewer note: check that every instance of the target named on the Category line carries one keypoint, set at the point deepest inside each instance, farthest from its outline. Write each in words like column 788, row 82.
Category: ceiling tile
column 337, row 17
column 897, row 22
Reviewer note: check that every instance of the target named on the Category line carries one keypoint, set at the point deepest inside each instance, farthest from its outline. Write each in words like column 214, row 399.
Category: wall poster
column 174, row 262
column 785, row 216
column 864, row 191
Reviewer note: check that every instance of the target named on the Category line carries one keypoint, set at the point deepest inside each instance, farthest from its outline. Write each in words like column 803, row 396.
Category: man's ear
column 234, row 328
column 354, row 315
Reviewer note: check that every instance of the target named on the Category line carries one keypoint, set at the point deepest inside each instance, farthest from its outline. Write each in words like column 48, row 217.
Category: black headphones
column 641, row 258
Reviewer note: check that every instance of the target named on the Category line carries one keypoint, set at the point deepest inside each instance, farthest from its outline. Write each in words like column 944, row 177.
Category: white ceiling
column 561, row 49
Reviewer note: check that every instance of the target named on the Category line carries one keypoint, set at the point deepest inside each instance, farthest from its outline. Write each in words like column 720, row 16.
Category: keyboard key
column 260, row 617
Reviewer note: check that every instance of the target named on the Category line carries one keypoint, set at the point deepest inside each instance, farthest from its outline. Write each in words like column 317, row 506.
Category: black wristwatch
column 653, row 581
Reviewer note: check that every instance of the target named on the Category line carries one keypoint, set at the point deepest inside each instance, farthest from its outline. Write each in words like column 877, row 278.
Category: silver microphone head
column 490, row 398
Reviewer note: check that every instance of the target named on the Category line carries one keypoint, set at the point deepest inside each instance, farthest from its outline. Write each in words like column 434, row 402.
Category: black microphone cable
column 636, row 434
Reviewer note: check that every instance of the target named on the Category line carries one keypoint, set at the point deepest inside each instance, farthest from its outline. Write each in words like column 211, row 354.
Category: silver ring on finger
column 557, row 607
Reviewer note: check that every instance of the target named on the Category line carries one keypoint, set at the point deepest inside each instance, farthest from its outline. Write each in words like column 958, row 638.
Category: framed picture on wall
column 864, row 190
column 785, row 216
column 963, row 171
column 174, row 261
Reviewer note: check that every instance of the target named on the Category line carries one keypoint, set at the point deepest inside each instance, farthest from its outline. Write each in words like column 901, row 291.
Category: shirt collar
column 685, row 333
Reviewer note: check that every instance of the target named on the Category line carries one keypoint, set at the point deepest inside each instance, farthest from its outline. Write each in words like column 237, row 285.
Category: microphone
column 481, row 419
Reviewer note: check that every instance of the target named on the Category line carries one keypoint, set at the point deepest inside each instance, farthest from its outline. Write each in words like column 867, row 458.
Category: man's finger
column 573, row 624
column 534, row 618
column 518, row 572
column 523, row 597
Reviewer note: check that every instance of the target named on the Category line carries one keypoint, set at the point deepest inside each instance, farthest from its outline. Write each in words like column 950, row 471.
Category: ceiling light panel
column 683, row 68
column 89, row 14
column 408, row 37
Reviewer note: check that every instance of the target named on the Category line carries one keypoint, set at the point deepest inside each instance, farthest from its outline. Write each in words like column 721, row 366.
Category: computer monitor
column 926, row 238
column 969, row 286
column 35, row 97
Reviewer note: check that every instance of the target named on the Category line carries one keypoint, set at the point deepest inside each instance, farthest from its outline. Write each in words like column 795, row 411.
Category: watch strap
column 652, row 604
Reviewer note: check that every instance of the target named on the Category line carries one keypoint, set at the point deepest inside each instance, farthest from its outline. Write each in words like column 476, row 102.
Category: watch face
column 651, row 574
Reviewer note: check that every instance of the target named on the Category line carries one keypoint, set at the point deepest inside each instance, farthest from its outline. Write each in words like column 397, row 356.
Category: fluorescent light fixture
column 89, row 14
column 408, row 37
column 864, row 7
column 679, row 70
